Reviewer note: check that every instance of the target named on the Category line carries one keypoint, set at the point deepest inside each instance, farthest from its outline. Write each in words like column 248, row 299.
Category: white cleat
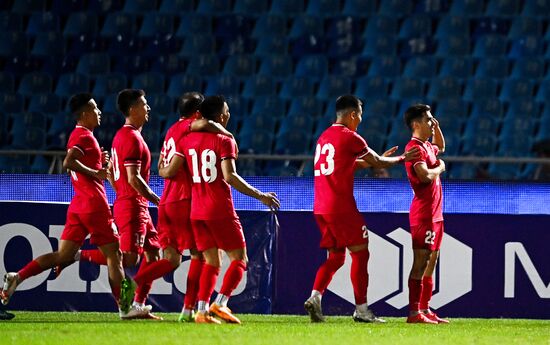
column 367, row 316
column 135, row 312
column 313, row 307
column 11, row 280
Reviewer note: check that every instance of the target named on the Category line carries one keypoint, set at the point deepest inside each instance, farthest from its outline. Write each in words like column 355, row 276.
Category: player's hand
column 441, row 165
column 270, row 200
column 435, row 122
column 390, row 152
column 413, row 153
column 102, row 173
column 155, row 199
column 105, row 157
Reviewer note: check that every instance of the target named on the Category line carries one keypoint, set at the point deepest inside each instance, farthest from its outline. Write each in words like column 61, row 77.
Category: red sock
column 193, row 277
column 207, row 282
column 232, row 277
column 415, row 289
column 153, row 271
column 93, row 255
column 360, row 275
column 143, row 289
column 31, row 269
column 325, row 273
column 426, row 295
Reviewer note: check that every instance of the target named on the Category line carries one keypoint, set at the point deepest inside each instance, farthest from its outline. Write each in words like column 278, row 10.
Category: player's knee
column 337, row 258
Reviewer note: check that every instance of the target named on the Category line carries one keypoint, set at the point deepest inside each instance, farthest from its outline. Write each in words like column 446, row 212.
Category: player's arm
column 138, row 183
column 428, row 175
column 362, row 164
column 236, row 181
column 374, row 160
column 170, row 170
column 204, row 125
column 72, row 162
column 438, row 138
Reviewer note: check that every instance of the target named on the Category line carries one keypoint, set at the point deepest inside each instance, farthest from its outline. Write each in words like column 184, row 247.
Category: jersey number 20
column 327, row 166
column 207, row 166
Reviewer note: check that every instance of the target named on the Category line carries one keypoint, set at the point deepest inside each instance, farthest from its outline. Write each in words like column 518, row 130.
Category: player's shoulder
column 414, row 142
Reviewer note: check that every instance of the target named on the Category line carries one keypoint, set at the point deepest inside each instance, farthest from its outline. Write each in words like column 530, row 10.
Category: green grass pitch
column 106, row 328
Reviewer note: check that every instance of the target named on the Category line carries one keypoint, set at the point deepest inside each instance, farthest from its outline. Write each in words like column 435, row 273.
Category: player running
column 426, row 215
column 340, row 150
column 211, row 160
column 88, row 213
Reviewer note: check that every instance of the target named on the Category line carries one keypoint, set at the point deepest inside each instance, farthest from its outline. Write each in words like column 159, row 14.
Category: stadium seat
column 420, row 67
column 40, row 165
column 256, row 122
column 381, row 25
column 418, row 25
column 323, row 8
column 60, row 125
column 385, row 66
column 332, row 86
column 453, row 45
column 47, row 103
column 452, row 142
column 487, row 107
column 269, row 24
column 375, row 140
column 452, row 25
column 294, row 121
column 518, row 125
column 504, row 171
column 157, row 25
column 516, row 88
column 306, row 25
column 279, row 66
column 49, row 44
column 376, row 122
column 359, row 8
column 176, row 6
column 479, row 126
column 472, row 8
column 109, row 84
column 395, row 8
column 457, row 67
column 476, row 88
column 479, row 145
column 191, row 23
column 399, row 136
column 150, row 82
column 168, row 65
column 258, row 142
column 296, row 87
column 271, row 44
column 371, row 87
column 40, row 22
column 119, row 24
column 184, row 82
column 503, row 8
column 379, row 106
column 239, row 107
column 71, row 83
column 313, row 66
column 250, row 7
column 530, row 68
column 205, row 65
column 523, row 26
column 543, row 92
column 452, row 107
column 7, row 82
column 490, row 45
column 405, row 88
column 10, row 21
column 240, row 65
column 29, row 135
column 381, row 44
column 12, row 103
column 28, row 6
column 225, row 84
column 140, row 6
column 492, row 67
column 199, row 44
column 81, row 23
column 269, row 105
column 64, row 7
column 219, row 7
column 306, row 105
column 259, row 85
column 463, row 171
column 294, row 142
column 527, row 46
column 524, row 106
column 444, row 87
column 35, row 82
column 536, row 8
column 14, row 43
column 161, row 104
column 287, row 7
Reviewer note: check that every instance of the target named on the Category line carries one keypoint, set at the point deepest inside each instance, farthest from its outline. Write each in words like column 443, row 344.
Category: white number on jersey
column 207, row 167
column 326, row 167
column 73, row 175
column 169, row 151
column 430, row 237
column 116, row 168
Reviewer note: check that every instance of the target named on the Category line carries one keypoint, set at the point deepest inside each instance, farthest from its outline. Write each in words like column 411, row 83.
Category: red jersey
column 427, row 203
column 89, row 193
column 337, row 149
column 129, row 149
column 211, row 195
column 177, row 187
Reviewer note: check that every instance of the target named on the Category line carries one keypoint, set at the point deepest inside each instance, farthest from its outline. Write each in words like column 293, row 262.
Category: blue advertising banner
column 28, row 230
column 490, row 266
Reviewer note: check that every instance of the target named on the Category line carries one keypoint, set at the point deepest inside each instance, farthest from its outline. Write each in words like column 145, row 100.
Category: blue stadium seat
column 161, row 105
column 452, row 107
column 463, row 171
column 47, row 103
column 60, row 125
column 250, row 7
column 131, row 64
column 258, row 142
column 492, row 67
column 152, row 138
column 395, row 8
column 192, row 23
column 399, row 136
column 503, row 8
column 307, row 25
column 66, row 7
column 530, row 68
column 296, row 87
column 527, row 46
column 525, row 26
column 375, row 140
column 86, row 44
column 420, row 67
column 157, row 25
column 274, row 106
column 225, row 84
column 300, row 121
column 359, row 8
column 198, row 44
column 536, row 8
column 452, row 25
column 523, row 107
column 379, row 106
column 40, row 165
column 295, row 141
column 80, row 23
column 306, row 105
column 14, row 43
column 259, row 85
column 516, row 88
column 287, row 7
column 313, row 66
column 176, row 6
column 229, row 27
column 184, row 82
column 381, row 25
column 371, row 87
column 103, row 7
column 238, row 106
column 479, row 145
column 240, row 65
column 7, row 82
column 416, row 26
column 405, row 88
column 381, row 44
column 35, row 82
column 49, row 44
column 332, row 86
column 12, row 103
column 452, row 142
column 119, row 24
column 150, row 82
column 70, row 83
column 15, row 164
column 168, row 64
column 471, row 8
column 543, row 132
column 219, row 7
column 269, row 24
column 109, row 104
column 322, row 124
column 28, row 6
column 476, row 88
column 271, row 44
column 94, row 64
column 42, row 22
column 323, row 8
column 140, row 6
column 256, row 122
column 279, row 66
column 376, row 122
column 109, row 83
column 543, row 92
column 28, row 131
column 385, row 66
column 10, row 21
column 453, row 45
column 205, row 65
column 487, row 107
column 520, row 126
column 457, row 67
column 490, row 45
column 444, row 87
column 504, row 171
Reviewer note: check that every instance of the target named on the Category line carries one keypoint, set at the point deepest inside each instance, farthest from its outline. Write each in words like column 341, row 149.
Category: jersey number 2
column 326, row 167
column 207, row 166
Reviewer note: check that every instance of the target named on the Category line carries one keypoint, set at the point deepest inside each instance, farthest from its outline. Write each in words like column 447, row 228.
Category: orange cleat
column 205, row 318
column 433, row 316
column 224, row 313
column 420, row 318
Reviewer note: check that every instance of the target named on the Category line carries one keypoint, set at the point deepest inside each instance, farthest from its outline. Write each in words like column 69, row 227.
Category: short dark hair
column 189, row 103
column 127, row 98
column 79, row 101
column 346, row 102
column 212, row 106
column 414, row 113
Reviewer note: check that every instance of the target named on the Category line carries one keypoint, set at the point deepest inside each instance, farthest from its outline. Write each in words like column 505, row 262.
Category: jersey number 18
column 207, row 167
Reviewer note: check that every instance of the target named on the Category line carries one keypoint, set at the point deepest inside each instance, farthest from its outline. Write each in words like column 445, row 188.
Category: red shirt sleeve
column 228, row 148
column 132, row 151
column 81, row 143
column 423, row 154
column 359, row 145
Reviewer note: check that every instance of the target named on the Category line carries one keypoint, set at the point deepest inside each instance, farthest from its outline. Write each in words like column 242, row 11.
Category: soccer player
column 211, row 160
column 88, row 211
column 340, row 150
column 174, row 223
column 426, row 215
